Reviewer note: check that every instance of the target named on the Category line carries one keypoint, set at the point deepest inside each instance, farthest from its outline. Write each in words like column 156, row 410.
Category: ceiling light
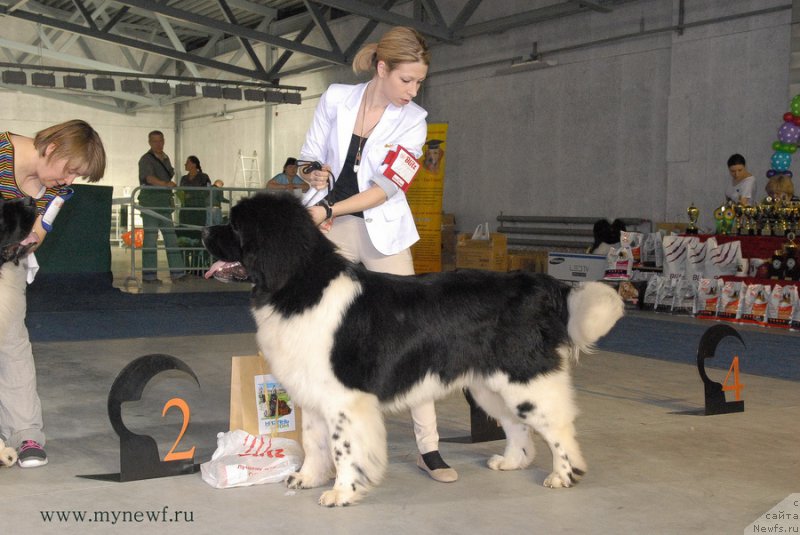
column 132, row 86
column 74, row 82
column 159, row 88
column 44, row 79
column 185, row 90
column 15, row 77
column 254, row 95
column 104, row 84
column 212, row 91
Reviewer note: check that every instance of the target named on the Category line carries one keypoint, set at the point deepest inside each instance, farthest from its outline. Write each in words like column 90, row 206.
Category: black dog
column 17, row 217
column 346, row 343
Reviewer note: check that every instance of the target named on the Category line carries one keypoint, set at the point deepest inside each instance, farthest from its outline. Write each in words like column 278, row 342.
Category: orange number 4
column 172, row 455
column 736, row 386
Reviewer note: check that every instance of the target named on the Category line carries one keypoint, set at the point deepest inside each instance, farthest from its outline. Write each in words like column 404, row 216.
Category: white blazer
column 390, row 225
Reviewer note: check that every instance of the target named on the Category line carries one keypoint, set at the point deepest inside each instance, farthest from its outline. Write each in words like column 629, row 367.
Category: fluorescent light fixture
column 104, row 84
column 159, row 88
column 524, row 66
column 43, row 79
column 232, row 93
column 292, row 98
column 254, row 95
column 74, row 82
column 15, row 77
column 132, row 86
column 212, row 91
column 185, row 90
column 273, row 96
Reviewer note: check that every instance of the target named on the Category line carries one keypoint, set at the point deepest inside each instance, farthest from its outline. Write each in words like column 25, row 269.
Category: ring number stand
column 139, row 457
column 715, row 392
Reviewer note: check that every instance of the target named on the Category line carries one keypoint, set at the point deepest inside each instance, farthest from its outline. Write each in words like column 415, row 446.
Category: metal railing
column 191, row 249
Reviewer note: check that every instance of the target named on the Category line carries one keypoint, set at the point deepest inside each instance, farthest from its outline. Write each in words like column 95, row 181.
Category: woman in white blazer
column 363, row 212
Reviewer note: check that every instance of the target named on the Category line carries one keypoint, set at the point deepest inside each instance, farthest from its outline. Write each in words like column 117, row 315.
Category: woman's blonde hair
column 398, row 45
column 780, row 184
column 78, row 143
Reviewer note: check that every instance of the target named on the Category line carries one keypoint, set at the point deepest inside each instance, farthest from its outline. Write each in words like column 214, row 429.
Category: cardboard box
column 667, row 227
column 576, row 267
column 535, row 261
column 491, row 254
column 259, row 404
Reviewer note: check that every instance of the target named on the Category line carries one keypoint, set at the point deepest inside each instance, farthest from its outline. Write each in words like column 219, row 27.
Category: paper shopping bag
column 259, row 403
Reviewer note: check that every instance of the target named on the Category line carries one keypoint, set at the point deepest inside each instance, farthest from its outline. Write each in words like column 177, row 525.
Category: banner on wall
column 425, row 199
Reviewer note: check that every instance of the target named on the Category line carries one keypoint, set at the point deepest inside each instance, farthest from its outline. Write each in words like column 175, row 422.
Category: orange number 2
column 172, row 455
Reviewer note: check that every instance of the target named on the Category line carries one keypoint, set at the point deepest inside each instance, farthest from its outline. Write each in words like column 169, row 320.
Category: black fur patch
column 17, row 217
column 523, row 409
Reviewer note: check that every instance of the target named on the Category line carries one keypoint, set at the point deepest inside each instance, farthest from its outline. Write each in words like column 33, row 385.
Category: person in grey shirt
column 155, row 169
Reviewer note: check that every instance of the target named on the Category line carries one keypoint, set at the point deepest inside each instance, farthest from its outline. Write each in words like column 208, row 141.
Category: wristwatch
column 328, row 208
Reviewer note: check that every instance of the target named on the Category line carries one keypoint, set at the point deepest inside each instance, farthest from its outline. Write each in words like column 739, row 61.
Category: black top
column 347, row 184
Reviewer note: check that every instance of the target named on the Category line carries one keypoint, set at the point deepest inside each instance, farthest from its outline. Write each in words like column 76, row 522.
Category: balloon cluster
column 788, row 136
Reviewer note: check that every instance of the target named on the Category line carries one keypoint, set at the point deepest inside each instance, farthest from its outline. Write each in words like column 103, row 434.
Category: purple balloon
column 789, row 133
column 771, row 173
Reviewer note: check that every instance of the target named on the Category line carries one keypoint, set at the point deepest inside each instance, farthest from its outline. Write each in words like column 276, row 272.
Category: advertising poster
column 275, row 409
column 425, row 198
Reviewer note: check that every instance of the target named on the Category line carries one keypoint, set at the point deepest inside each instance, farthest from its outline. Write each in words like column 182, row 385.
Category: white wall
column 638, row 127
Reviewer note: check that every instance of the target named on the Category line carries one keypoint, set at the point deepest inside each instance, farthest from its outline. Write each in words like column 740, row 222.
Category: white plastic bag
column 482, row 232
column 242, row 459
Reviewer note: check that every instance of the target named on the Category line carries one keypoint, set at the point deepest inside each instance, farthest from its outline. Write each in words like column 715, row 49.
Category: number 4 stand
column 139, row 458
column 715, row 392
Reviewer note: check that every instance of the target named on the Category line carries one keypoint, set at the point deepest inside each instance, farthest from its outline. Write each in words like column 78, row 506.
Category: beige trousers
column 20, row 408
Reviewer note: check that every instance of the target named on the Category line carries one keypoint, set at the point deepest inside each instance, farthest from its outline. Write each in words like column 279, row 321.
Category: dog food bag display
column 242, row 459
column 758, row 268
column 754, row 308
column 666, row 295
column 651, row 292
column 634, row 241
column 730, row 301
column 652, row 253
column 724, row 259
column 696, row 252
column 781, row 306
column 675, row 252
column 619, row 264
column 707, row 298
column 685, row 297
column 794, row 323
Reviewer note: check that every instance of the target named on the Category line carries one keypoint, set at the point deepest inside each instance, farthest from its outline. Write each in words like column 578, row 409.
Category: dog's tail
column 594, row 308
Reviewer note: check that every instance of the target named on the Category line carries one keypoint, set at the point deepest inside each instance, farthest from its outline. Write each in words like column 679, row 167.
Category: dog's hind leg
column 317, row 464
column 358, row 447
column 519, row 452
column 547, row 405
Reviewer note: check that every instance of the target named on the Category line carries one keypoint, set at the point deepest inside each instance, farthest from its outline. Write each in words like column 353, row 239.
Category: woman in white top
column 742, row 185
column 364, row 213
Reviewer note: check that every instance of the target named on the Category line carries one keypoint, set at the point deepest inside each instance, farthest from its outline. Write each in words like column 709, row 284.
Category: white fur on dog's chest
column 298, row 347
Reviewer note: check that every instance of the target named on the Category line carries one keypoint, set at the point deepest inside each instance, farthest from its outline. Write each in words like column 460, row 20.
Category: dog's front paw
column 564, row 478
column 338, row 498
column 298, row 480
column 506, row 462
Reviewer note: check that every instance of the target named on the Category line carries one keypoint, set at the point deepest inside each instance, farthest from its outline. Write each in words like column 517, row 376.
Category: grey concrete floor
column 652, row 469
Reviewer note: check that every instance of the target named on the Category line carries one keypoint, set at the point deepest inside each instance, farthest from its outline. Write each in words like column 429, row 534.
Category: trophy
column 693, row 214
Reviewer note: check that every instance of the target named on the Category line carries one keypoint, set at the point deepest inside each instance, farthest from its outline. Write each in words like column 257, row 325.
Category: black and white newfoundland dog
column 17, row 217
column 348, row 343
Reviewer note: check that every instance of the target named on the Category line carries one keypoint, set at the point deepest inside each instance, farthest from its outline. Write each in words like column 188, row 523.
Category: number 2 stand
column 139, row 458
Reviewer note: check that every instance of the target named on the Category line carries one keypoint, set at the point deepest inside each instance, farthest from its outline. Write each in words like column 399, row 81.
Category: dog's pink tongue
column 216, row 266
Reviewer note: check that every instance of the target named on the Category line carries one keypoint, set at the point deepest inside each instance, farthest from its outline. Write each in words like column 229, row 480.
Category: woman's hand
column 318, row 179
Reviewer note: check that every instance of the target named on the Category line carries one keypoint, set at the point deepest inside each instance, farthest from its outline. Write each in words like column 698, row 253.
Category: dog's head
column 16, row 223
column 272, row 236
